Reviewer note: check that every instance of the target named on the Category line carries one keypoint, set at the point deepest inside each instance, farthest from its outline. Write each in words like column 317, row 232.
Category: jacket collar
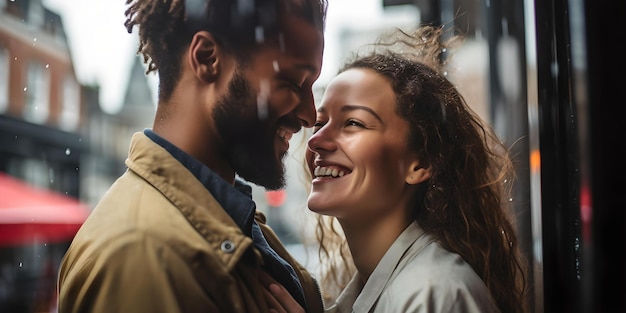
column 237, row 201
column 180, row 186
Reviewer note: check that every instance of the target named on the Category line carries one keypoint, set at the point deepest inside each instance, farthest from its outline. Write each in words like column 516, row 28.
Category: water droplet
column 15, row 59
column 259, row 34
column 25, row 88
column 20, row 264
column 554, row 68
column 262, row 100
column 47, row 65
column 67, row 151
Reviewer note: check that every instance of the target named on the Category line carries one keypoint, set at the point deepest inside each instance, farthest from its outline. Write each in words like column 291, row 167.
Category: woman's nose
column 322, row 140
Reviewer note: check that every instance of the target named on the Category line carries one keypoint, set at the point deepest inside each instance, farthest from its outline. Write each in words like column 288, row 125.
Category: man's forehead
column 299, row 36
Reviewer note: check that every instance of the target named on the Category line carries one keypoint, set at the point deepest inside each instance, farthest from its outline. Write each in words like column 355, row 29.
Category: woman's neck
column 369, row 241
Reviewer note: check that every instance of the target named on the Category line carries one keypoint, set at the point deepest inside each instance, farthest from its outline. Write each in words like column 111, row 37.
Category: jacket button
column 227, row 246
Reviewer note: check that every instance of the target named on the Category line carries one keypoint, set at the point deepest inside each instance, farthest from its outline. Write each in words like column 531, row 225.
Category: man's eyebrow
column 353, row 107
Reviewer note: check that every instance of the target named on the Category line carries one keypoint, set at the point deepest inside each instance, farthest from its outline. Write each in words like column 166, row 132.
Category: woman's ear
column 203, row 56
column 417, row 174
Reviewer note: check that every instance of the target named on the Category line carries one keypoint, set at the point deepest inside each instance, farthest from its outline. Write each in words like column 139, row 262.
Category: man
column 178, row 231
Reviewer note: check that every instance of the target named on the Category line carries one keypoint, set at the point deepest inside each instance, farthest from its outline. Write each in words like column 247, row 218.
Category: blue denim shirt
column 237, row 202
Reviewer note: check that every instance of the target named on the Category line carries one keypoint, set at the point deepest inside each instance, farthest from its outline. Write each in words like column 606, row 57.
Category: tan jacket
column 159, row 242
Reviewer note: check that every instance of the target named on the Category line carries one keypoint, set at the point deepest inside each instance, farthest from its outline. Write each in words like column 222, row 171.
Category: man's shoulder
column 131, row 210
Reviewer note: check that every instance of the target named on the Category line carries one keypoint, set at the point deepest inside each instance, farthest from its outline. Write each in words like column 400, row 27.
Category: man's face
column 269, row 99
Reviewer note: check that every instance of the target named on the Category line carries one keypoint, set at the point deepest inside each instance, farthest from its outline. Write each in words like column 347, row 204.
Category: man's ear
column 203, row 56
column 417, row 174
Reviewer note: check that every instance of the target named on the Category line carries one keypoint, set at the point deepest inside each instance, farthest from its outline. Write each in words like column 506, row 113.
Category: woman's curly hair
column 465, row 204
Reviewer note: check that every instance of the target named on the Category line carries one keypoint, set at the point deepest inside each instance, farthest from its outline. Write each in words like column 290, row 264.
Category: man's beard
column 247, row 141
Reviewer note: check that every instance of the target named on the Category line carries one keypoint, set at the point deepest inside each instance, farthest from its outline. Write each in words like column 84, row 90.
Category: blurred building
column 41, row 115
column 53, row 136
column 109, row 134
column 53, row 132
column 41, row 110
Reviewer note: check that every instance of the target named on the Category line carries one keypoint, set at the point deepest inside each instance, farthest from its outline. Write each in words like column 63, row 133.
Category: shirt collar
column 236, row 200
column 363, row 300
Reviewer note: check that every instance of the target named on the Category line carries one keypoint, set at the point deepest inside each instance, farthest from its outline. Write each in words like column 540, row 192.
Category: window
column 36, row 14
column 37, row 91
column 4, row 79
column 70, row 99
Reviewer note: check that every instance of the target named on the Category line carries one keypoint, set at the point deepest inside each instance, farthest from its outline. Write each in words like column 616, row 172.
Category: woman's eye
column 352, row 122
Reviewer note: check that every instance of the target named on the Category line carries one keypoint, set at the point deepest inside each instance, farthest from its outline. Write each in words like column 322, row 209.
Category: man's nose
column 306, row 111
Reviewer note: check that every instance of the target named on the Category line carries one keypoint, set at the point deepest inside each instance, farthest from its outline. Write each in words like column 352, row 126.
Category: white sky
column 102, row 50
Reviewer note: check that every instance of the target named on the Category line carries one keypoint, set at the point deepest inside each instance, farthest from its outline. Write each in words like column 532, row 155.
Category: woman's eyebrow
column 353, row 107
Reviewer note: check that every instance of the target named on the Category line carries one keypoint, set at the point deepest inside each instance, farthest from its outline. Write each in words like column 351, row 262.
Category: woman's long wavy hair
column 466, row 203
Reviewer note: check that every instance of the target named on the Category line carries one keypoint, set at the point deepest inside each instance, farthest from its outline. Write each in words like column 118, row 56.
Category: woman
column 419, row 185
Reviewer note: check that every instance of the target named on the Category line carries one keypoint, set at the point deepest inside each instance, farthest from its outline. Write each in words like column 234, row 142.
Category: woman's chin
column 314, row 205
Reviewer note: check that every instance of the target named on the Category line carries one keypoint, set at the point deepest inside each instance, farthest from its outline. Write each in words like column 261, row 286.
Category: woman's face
column 358, row 154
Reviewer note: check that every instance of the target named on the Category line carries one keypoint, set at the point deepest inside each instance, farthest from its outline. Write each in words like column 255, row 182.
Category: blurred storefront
column 36, row 227
column 59, row 151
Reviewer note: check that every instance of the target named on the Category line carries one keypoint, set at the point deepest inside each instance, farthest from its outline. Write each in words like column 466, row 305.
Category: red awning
column 29, row 214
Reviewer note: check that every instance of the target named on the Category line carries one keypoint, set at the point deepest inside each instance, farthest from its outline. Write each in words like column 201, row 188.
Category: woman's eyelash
column 349, row 122
column 353, row 122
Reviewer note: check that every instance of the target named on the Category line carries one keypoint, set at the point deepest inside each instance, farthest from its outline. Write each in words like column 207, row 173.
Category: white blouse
column 415, row 275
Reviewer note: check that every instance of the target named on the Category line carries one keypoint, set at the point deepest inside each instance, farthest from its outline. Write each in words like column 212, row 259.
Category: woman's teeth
column 327, row 171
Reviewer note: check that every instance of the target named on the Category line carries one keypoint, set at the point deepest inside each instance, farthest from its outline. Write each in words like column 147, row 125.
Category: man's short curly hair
column 167, row 26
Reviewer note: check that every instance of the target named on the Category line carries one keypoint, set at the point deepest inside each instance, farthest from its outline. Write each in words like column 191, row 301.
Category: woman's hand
column 278, row 298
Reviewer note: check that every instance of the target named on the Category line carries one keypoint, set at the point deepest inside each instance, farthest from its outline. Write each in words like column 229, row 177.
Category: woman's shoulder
column 431, row 274
column 431, row 264
column 438, row 280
